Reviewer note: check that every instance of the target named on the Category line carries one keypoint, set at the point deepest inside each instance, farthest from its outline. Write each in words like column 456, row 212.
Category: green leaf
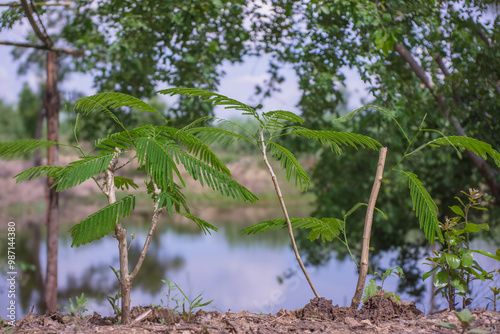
column 101, row 222
column 203, row 225
column 467, row 259
column 471, row 227
column 441, row 279
column 39, row 171
column 466, row 143
column 214, row 99
column 81, row 170
column 424, row 207
column 429, row 273
column 124, row 183
column 326, row 228
column 447, row 325
column 488, row 254
column 290, row 164
column 16, row 148
column 452, row 260
column 457, row 210
column 335, row 138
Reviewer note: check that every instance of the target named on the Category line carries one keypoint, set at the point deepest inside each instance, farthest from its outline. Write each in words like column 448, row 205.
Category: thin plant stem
column 285, row 212
column 365, row 250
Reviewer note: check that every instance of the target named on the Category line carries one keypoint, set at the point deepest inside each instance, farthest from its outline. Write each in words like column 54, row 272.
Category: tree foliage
column 449, row 77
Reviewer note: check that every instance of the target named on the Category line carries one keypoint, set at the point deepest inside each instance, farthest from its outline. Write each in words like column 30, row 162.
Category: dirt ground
column 377, row 315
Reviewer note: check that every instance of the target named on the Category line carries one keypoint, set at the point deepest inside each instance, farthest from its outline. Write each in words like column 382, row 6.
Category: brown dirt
column 378, row 315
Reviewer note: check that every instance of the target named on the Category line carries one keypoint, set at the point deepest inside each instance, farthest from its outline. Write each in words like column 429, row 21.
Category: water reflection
column 255, row 273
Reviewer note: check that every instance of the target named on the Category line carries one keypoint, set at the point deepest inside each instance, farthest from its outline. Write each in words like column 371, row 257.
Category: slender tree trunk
column 37, row 159
column 285, row 213
column 52, row 211
column 365, row 250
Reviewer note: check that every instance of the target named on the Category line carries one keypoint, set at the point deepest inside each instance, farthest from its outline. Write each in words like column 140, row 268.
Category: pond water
column 255, row 273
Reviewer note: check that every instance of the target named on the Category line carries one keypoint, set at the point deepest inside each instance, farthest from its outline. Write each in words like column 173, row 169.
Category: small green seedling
column 197, row 302
column 496, row 291
column 115, row 301
column 372, row 288
column 78, row 309
column 465, row 319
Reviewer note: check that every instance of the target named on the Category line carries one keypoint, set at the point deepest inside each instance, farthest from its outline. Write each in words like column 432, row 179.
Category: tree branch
column 29, row 14
column 45, row 4
column 76, row 53
column 365, row 250
column 488, row 174
column 152, row 228
column 285, row 212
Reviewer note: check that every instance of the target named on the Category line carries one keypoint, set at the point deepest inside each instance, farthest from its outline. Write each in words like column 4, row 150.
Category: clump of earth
column 377, row 315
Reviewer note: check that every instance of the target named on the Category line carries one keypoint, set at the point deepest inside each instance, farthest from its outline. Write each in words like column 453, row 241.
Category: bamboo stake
column 285, row 212
column 365, row 251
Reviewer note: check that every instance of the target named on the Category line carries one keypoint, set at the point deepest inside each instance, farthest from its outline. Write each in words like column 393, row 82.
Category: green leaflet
column 102, row 222
column 203, row 225
column 466, row 143
column 335, row 139
column 16, row 148
column 81, row 170
column 212, row 98
column 424, row 207
column 215, row 179
column 325, row 228
column 290, row 164
column 37, row 172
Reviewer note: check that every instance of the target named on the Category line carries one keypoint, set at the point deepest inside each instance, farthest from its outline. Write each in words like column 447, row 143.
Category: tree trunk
column 52, row 198
column 365, row 250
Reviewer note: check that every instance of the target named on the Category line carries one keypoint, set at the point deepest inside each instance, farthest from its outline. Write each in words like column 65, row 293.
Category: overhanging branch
column 29, row 14
column 76, row 53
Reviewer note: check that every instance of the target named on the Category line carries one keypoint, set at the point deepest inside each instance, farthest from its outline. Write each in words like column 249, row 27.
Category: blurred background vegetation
column 131, row 47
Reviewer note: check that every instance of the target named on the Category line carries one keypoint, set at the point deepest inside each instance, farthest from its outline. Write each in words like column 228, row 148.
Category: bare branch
column 152, row 228
column 45, row 4
column 29, row 14
column 76, row 53
column 285, row 212
column 365, row 250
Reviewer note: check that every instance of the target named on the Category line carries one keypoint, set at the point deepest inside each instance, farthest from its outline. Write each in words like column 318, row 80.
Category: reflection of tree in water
column 98, row 282
column 30, row 279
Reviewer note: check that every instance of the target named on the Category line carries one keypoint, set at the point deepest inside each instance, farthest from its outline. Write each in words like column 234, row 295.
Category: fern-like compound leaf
column 104, row 102
column 124, row 183
column 81, row 170
column 277, row 119
column 290, row 164
column 335, row 139
column 222, row 136
column 425, row 208
column 197, row 147
column 152, row 153
column 325, row 228
column 100, row 223
column 16, row 148
column 203, row 225
column 215, row 179
column 39, row 171
column 466, row 143
column 213, row 98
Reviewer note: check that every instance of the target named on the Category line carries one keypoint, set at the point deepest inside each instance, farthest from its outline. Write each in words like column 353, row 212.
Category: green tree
column 420, row 59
